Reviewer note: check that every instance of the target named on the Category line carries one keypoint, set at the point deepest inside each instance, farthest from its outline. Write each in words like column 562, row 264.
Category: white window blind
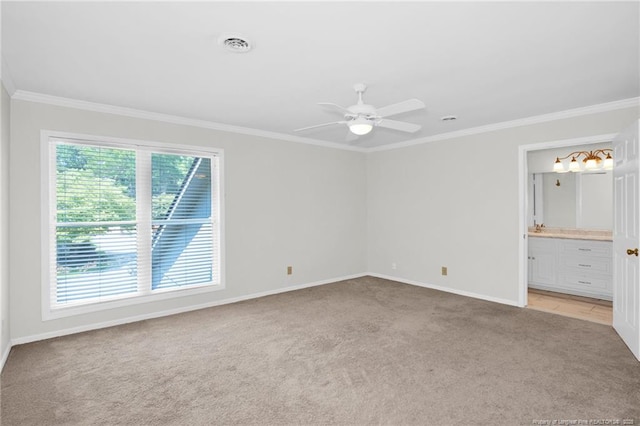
column 182, row 239
column 130, row 221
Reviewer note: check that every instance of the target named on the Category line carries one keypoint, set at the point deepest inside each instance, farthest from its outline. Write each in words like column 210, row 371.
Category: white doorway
column 526, row 199
column 626, row 238
column 626, row 294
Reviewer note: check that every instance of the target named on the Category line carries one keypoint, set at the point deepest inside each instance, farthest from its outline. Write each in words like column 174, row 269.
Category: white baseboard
column 447, row 289
column 120, row 321
column 5, row 355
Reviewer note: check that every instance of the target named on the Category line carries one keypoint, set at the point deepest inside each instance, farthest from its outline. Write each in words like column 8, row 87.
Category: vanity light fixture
column 592, row 161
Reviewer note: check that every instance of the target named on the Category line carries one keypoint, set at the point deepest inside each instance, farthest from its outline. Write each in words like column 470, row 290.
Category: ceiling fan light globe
column 558, row 167
column 574, row 166
column 360, row 129
column 360, row 126
column 608, row 163
column 591, row 164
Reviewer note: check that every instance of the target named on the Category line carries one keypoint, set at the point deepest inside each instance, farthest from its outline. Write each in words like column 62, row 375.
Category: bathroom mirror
column 571, row 200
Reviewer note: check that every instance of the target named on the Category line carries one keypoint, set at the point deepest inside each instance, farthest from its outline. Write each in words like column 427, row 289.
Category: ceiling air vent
column 235, row 43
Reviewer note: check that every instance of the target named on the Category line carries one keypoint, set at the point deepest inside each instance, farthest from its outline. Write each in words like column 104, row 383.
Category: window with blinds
column 130, row 221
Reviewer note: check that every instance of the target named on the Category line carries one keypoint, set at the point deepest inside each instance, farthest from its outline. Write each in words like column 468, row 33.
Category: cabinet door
column 543, row 255
column 544, row 269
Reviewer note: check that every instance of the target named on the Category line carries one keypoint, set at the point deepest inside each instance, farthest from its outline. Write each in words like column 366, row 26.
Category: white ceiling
column 484, row 62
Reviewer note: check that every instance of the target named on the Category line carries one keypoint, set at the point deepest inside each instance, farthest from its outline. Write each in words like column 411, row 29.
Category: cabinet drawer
column 541, row 243
column 600, row 284
column 586, row 247
column 585, row 264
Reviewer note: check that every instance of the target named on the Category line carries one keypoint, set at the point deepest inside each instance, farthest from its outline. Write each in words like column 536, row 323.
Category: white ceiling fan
column 361, row 118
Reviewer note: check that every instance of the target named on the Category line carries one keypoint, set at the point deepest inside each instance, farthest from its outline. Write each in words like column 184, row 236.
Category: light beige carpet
column 365, row 351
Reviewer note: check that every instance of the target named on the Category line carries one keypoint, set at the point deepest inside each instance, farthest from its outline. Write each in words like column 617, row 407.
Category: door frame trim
column 523, row 193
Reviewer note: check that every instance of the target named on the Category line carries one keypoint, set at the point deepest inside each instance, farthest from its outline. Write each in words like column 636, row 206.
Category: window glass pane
column 181, row 186
column 95, row 184
column 182, row 246
column 98, row 262
column 183, row 256
column 95, row 251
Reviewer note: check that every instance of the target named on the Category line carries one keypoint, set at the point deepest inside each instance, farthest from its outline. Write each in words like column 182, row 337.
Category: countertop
column 574, row 234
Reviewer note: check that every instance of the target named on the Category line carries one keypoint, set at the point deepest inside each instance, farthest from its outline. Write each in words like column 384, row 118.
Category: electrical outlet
column 289, row 270
column 394, row 266
column 444, row 270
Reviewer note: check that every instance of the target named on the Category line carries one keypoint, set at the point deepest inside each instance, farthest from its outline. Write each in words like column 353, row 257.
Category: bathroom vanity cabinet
column 575, row 266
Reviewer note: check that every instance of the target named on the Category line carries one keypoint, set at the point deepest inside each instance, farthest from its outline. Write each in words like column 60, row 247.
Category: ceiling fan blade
column 400, row 107
column 399, row 125
column 336, row 107
column 320, row 125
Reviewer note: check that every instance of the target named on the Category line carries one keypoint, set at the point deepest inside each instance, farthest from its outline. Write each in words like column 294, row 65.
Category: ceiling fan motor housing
column 368, row 112
column 362, row 109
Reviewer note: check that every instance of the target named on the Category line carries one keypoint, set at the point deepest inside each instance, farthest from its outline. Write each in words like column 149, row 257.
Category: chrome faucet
column 539, row 227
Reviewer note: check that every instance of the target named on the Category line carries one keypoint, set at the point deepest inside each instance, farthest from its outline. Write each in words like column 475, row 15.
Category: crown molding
column 172, row 119
column 576, row 112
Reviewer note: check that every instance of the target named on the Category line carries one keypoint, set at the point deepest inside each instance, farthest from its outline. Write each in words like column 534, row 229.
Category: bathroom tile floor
column 586, row 308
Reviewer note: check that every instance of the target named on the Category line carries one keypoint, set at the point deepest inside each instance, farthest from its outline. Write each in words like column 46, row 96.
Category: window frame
column 48, row 139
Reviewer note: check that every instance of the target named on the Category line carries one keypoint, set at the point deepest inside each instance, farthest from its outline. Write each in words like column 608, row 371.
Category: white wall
column 4, row 222
column 455, row 203
column 329, row 213
column 286, row 204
